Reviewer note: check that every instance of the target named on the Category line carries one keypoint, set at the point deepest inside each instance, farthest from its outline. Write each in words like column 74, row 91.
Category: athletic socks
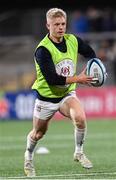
column 79, row 135
column 30, row 148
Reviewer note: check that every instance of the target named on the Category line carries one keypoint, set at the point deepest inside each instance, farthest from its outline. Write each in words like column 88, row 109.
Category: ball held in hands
column 96, row 69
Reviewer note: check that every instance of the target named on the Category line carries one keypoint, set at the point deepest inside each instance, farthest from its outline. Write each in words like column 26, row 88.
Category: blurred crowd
column 93, row 20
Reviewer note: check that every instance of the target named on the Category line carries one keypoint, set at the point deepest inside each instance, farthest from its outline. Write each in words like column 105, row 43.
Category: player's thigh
column 72, row 108
column 40, row 124
column 39, row 128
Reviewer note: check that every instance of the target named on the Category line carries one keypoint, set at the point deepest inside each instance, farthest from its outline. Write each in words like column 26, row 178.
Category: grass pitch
column 100, row 147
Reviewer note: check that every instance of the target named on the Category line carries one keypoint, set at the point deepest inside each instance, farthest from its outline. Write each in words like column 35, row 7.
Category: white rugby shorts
column 44, row 110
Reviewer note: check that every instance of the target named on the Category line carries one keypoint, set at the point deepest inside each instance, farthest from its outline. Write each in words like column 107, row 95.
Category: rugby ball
column 96, row 69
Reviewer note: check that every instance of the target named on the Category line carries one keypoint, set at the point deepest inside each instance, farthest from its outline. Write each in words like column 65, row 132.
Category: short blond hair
column 55, row 12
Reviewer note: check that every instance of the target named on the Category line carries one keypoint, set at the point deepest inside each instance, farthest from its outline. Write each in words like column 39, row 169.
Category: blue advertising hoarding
column 17, row 105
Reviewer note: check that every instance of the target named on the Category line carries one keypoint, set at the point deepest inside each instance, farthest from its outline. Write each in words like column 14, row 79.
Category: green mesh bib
column 65, row 64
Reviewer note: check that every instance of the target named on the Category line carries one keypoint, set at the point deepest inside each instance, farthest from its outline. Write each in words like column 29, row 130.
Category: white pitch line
column 62, row 175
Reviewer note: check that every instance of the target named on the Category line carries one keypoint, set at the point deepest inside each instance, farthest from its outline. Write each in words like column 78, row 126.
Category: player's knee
column 80, row 121
column 39, row 135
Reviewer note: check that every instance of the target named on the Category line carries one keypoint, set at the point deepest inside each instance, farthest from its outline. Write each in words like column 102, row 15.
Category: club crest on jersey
column 65, row 68
column 65, row 71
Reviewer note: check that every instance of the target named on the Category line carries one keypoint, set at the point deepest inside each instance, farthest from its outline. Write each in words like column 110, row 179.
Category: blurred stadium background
column 22, row 26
